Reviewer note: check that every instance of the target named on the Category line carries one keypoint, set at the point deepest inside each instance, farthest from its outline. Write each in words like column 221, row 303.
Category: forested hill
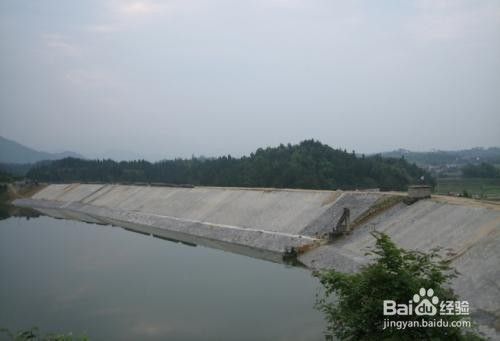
column 309, row 164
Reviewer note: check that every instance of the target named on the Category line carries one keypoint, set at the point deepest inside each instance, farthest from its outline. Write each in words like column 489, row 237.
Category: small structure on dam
column 418, row 192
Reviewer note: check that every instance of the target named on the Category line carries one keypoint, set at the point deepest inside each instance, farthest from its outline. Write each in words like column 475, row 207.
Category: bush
column 484, row 170
column 353, row 303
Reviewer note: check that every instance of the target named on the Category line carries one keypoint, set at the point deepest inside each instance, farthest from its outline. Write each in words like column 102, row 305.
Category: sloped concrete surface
column 467, row 235
column 357, row 202
column 273, row 210
column 266, row 219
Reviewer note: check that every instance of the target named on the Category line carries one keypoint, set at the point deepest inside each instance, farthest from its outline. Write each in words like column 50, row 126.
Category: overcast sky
column 171, row 78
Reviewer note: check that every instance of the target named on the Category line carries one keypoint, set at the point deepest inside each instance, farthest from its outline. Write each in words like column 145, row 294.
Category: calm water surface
column 113, row 284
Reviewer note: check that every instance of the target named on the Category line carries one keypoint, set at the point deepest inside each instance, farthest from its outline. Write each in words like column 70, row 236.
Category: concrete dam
column 269, row 223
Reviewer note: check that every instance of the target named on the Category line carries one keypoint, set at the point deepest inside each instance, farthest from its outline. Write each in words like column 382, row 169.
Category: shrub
column 353, row 303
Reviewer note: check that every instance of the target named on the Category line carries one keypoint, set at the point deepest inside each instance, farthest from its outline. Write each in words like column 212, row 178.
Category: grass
column 477, row 187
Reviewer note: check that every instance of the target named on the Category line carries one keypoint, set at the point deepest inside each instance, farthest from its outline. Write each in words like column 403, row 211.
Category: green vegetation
column 440, row 157
column 483, row 170
column 353, row 303
column 34, row 334
column 9, row 192
column 482, row 188
column 6, row 177
column 15, row 169
column 309, row 164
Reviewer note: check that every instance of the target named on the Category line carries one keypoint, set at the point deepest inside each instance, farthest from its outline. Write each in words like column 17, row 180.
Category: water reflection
column 111, row 284
column 173, row 236
column 7, row 210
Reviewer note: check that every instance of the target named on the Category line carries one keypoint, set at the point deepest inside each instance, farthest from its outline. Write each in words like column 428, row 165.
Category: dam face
column 266, row 219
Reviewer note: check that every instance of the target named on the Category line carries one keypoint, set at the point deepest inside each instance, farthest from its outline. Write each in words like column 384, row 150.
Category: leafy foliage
column 309, row 164
column 440, row 157
column 6, row 177
column 353, row 303
column 15, row 169
column 484, row 170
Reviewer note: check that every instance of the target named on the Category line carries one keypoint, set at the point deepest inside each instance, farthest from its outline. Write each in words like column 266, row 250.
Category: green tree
column 309, row 164
column 484, row 170
column 353, row 303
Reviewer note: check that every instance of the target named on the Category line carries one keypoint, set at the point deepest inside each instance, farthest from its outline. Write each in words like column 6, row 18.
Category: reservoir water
column 112, row 284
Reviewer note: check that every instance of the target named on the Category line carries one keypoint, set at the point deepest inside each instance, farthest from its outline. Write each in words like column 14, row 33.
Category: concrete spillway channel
column 264, row 223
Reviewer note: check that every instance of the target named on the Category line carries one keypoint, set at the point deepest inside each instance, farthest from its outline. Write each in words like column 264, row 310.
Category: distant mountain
column 448, row 158
column 13, row 152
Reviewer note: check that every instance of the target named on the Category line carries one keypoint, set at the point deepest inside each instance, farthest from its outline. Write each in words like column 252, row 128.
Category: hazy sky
column 170, row 78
